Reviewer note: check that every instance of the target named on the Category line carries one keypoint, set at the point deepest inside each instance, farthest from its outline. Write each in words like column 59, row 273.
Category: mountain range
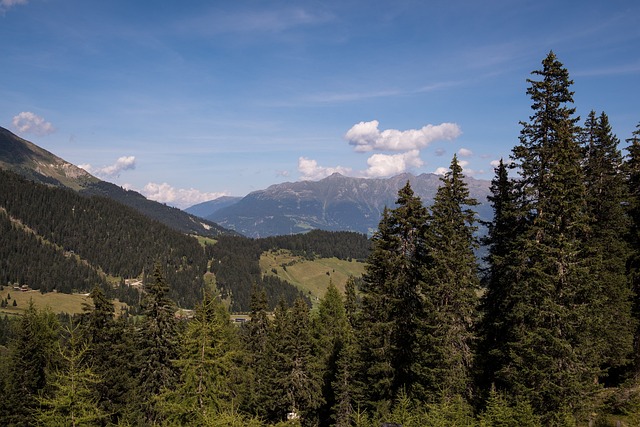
column 335, row 203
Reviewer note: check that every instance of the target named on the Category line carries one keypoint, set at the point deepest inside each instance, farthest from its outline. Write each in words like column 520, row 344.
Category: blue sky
column 186, row 101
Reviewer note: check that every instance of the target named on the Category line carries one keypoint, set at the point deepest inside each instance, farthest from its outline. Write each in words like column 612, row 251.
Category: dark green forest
column 544, row 331
column 57, row 239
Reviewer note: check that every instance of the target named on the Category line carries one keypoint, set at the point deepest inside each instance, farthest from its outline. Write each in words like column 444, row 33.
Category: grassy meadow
column 312, row 277
column 57, row 302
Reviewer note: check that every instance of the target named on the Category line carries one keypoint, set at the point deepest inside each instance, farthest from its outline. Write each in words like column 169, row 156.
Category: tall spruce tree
column 110, row 353
column 207, row 365
column 546, row 358
column 293, row 374
column 610, row 295
column 157, row 348
column 497, row 281
column 32, row 354
column 450, row 288
column 392, row 306
column 632, row 169
column 255, row 340
column 331, row 334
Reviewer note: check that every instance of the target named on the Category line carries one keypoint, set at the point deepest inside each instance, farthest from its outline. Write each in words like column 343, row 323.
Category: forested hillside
column 93, row 235
column 56, row 239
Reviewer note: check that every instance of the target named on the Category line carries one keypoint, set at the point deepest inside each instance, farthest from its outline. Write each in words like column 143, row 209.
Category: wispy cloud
column 254, row 21
column 616, row 70
column 7, row 4
column 336, row 97
column 340, row 97
column 28, row 122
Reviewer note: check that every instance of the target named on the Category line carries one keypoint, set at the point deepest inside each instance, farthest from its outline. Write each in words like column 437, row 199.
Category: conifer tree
column 109, row 353
column 609, row 293
column 497, row 281
column 546, row 358
column 293, row 372
column 391, row 305
column 499, row 412
column 157, row 347
column 255, row 340
column 31, row 355
column 632, row 169
column 347, row 388
column 351, row 300
column 450, row 290
column 73, row 401
column 207, row 365
column 331, row 330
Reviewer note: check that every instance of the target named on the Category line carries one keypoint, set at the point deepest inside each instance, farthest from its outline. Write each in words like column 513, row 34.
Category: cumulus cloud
column 28, row 122
column 495, row 163
column 310, row 169
column 112, row 171
column 441, row 171
column 465, row 152
column 365, row 136
column 178, row 197
column 384, row 165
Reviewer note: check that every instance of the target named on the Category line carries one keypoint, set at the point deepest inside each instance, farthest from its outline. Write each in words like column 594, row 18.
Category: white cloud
column 122, row 164
column 6, row 4
column 441, row 171
column 366, row 136
column 178, row 197
column 465, row 152
column 310, row 170
column 495, row 163
column 28, row 122
column 384, row 165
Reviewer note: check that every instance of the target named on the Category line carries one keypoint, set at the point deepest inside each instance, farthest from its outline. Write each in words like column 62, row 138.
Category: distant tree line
column 343, row 245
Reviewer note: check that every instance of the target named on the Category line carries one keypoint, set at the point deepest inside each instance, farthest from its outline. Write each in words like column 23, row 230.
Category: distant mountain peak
column 334, row 203
column 37, row 164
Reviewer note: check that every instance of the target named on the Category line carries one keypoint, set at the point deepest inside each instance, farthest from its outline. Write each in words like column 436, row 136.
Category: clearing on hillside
column 312, row 277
